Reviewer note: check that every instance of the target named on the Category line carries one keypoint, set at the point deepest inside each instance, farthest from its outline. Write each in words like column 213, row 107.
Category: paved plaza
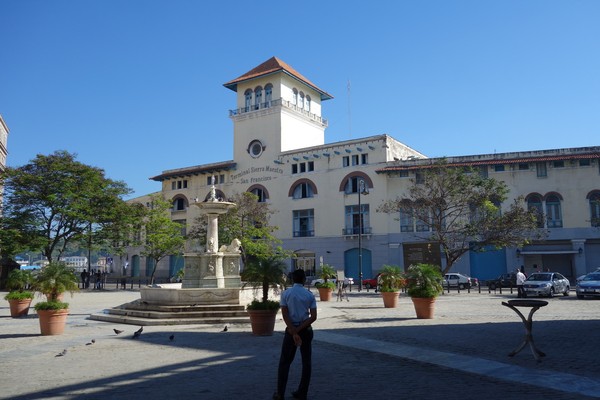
column 361, row 350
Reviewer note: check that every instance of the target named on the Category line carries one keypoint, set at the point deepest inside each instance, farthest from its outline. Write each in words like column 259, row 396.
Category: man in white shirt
column 520, row 281
column 299, row 311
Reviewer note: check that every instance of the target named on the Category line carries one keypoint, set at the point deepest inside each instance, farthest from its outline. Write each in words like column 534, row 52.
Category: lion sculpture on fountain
column 234, row 247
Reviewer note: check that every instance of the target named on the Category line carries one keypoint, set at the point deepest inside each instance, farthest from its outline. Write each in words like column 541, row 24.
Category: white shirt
column 520, row 278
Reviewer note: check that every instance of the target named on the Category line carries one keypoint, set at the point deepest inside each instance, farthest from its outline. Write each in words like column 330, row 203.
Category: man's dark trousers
column 288, row 351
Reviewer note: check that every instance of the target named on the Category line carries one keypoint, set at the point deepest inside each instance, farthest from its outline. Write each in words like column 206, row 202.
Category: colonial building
column 326, row 194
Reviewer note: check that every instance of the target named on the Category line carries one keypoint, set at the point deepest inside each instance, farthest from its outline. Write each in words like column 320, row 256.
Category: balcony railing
column 278, row 102
column 356, row 230
column 304, row 233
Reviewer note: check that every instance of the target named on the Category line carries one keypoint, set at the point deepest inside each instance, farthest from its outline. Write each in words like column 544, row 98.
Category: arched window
column 179, row 204
column 302, row 191
column 294, row 96
column 268, row 95
column 257, row 97
column 352, row 183
column 307, row 106
column 247, row 100
column 553, row 212
column 301, row 100
column 304, row 259
column 260, row 193
column 534, row 203
column 594, row 199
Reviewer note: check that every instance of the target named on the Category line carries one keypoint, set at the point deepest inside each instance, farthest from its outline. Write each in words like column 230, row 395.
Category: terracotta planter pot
column 424, row 307
column 19, row 308
column 325, row 294
column 390, row 299
column 262, row 322
column 52, row 322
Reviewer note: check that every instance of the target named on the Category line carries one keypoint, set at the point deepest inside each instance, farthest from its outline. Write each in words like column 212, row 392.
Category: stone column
column 578, row 258
column 212, row 233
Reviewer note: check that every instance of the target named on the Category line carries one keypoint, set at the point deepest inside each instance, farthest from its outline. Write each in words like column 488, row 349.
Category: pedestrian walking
column 84, row 276
column 299, row 311
column 520, row 281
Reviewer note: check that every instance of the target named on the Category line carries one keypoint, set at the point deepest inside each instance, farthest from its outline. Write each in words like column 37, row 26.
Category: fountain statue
column 211, row 275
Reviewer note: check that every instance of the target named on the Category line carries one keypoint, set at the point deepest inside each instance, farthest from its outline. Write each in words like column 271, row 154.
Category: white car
column 347, row 281
column 459, row 280
column 315, row 281
column 546, row 284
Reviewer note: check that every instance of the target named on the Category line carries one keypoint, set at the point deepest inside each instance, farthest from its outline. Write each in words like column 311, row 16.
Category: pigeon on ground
column 171, row 338
column 225, row 329
column 137, row 333
column 91, row 342
column 117, row 331
column 62, row 353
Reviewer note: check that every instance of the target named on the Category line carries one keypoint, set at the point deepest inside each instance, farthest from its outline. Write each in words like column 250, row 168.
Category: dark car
column 504, row 280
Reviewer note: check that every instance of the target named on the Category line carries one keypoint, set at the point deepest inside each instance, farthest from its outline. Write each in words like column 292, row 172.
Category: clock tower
column 277, row 110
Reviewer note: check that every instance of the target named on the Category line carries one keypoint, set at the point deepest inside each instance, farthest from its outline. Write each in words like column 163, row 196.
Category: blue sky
column 136, row 87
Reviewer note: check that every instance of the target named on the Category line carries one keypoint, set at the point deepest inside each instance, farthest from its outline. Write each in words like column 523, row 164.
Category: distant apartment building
column 79, row 263
column 326, row 194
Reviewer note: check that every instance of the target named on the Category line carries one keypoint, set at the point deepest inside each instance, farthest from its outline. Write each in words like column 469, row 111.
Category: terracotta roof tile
column 270, row 66
column 199, row 169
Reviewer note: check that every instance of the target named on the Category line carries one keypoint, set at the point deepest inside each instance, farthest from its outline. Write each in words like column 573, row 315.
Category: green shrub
column 19, row 295
column 263, row 305
column 328, row 285
column 424, row 280
column 51, row 305
column 19, row 280
column 392, row 279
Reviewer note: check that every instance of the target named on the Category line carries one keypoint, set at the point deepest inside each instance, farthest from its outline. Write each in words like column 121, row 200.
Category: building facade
column 326, row 195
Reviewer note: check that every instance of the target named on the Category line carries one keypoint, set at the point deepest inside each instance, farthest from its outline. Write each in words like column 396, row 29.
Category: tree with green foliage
column 162, row 236
column 53, row 201
column 248, row 221
column 462, row 211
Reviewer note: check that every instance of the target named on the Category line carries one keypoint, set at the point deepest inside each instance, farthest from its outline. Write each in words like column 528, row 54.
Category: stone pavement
column 361, row 350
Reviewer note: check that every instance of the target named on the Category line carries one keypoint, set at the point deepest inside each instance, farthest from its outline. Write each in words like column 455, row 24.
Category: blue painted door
column 135, row 266
column 351, row 264
column 487, row 264
column 149, row 266
column 175, row 264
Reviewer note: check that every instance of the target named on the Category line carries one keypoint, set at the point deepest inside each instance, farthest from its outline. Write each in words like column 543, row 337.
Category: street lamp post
column 362, row 190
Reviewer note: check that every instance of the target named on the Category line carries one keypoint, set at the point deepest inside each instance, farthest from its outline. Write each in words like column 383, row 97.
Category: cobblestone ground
column 205, row 363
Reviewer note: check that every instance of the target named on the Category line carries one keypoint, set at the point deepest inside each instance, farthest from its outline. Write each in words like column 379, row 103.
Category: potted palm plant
column 326, row 288
column 392, row 280
column 424, row 284
column 264, row 273
column 53, row 280
column 18, row 297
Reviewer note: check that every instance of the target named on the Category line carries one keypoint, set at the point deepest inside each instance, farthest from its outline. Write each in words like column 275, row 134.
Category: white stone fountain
column 211, row 276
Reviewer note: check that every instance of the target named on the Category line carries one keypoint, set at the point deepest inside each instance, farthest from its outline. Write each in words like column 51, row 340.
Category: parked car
column 504, row 280
column 347, row 281
column 319, row 280
column 371, row 283
column 546, row 284
column 583, row 276
column 589, row 285
column 459, row 280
